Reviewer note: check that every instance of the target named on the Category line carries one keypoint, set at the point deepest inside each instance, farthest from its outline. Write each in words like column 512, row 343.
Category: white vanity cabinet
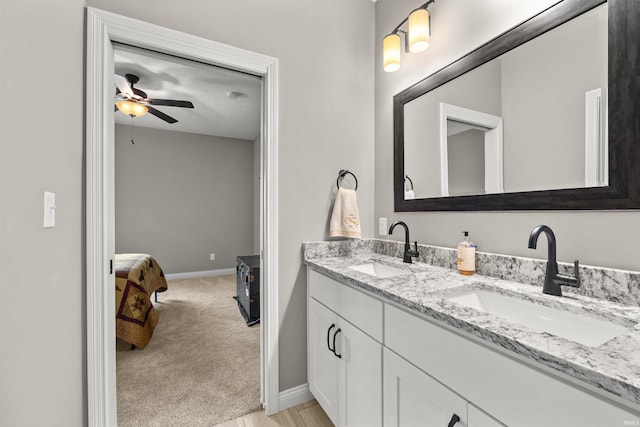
column 344, row 352
column 428, row 373
column 514, row 392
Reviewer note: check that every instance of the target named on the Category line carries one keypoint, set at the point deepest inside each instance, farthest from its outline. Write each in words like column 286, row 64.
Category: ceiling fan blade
column 161, row 115
column 170, row 103
column 139, row 94
column 123, row 85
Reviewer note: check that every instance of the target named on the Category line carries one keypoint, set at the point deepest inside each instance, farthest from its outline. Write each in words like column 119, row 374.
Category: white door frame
column 596, row 150
column 103, row 28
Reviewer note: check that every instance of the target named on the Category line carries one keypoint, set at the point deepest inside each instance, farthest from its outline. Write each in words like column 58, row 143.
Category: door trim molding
column 104, row 28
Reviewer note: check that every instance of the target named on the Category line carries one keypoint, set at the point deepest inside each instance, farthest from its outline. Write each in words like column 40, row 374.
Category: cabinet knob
column 454, row 420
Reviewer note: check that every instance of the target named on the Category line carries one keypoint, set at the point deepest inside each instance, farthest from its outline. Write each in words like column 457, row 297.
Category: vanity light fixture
column 416, row 39
column 131, row 108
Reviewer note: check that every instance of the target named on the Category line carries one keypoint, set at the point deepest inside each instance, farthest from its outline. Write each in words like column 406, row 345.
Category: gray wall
column 326, row 55
column 604, row 238
column 465, row 154
column 553, row 118
column 182, row 196
column 42, row 297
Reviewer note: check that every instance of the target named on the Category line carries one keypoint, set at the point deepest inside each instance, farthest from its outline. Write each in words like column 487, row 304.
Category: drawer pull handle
column 454, row 420
column 339, row 356
column 333, row 325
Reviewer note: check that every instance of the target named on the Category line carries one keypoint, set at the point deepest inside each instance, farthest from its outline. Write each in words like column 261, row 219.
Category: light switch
column 382, row 227
column 49, row 210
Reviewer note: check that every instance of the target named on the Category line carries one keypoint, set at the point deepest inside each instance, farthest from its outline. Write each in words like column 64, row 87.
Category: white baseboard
column 195, row 274
column 295, row 396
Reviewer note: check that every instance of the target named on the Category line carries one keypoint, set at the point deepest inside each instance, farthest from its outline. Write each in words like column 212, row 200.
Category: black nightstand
column 248, row 288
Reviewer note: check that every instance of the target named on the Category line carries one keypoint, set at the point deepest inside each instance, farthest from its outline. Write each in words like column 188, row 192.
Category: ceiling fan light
column 131, row 108
column 419, row 32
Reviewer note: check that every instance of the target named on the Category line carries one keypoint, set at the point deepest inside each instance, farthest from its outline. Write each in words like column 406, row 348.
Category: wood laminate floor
column 308, row 414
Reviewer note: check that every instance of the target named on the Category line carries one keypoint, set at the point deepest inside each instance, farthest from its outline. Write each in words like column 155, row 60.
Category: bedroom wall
column 182, row 196
column 326, row 54
column 601, row 238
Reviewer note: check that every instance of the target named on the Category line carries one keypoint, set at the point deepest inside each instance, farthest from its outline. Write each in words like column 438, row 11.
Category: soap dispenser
column 466, row 256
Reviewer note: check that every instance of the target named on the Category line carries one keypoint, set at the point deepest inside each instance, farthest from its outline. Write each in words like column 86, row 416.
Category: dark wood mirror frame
column 623, row 191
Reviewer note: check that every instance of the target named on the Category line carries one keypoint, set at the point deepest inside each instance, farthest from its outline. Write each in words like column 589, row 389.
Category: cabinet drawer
column 363, row 311
column 512, row 391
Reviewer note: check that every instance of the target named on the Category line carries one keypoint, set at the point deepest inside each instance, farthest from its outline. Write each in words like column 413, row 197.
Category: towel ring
column 406, row 177
column 342, row 173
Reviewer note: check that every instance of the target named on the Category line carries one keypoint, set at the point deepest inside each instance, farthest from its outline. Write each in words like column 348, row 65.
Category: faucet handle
column 576, row 272
column 567, row 279
column 415, row 252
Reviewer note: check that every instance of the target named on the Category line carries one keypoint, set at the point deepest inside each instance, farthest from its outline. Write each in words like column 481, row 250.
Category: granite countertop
column 613, row 366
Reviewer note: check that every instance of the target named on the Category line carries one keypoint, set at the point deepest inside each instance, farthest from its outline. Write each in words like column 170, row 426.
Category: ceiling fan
column 134, row 102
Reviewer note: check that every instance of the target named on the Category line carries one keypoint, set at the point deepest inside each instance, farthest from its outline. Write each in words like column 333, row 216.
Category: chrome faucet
column 553, row 279
column 408, row 253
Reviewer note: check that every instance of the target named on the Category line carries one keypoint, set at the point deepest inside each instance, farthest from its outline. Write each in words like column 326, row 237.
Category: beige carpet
column 201, row 367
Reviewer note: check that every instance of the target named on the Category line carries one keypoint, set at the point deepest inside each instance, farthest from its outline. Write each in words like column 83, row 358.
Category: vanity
column 396, row 344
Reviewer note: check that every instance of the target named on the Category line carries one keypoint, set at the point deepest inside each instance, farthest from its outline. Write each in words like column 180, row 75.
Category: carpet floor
column 201, row 367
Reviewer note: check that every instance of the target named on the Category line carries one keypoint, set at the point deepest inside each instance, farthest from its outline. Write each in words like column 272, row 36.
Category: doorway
column 103, row 29
column 184, row 193
column 488, row 167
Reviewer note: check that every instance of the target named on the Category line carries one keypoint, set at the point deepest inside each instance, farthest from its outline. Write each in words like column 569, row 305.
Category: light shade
column 132, row 108
column 391, row 53
column 419, row 30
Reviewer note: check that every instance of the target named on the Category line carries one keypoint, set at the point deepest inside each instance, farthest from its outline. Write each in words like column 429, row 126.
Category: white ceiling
column 206, row 86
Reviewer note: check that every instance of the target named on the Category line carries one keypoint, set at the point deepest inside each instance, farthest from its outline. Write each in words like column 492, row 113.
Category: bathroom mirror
column 542, row 117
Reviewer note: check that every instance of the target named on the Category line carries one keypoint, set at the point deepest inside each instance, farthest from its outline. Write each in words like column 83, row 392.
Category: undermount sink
column 377, row 269
column 539, row 318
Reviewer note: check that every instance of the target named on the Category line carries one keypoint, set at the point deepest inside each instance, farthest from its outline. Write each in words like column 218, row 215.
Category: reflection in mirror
column 465, row 159
column 470, row 152
column 546, row 100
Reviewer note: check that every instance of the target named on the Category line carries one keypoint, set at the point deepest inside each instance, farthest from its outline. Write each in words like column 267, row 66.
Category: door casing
column 104, row 28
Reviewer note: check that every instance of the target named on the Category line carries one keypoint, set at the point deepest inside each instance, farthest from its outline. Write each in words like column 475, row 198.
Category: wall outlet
column 212, row 257
column 382, row 226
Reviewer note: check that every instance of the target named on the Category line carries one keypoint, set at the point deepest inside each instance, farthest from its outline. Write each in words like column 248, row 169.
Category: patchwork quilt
column 138, row 276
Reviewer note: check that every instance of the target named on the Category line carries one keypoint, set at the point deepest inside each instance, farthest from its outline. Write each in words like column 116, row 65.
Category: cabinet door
column 322, row 363
column 359, row 378
column 414, row 399
column 478, row 418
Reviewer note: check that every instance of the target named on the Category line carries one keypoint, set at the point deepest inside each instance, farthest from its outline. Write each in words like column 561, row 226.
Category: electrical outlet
column 382, row 226
column 212, row 257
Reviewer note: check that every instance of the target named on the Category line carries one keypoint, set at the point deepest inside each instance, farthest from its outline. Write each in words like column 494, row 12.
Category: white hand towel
column 409, row 194
column 345, row 219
